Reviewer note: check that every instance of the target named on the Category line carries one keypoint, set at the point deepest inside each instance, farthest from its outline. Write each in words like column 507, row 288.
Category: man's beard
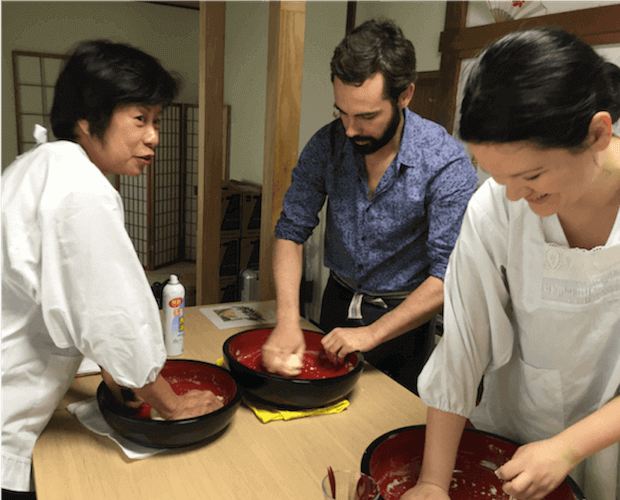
column 373, row 145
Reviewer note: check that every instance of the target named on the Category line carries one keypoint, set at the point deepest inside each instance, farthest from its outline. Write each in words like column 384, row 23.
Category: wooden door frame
column 287, row 23
column 210, row 136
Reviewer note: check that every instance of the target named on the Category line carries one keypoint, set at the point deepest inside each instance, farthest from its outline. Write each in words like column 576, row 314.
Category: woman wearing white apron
column 532, row 291
column 72, row 284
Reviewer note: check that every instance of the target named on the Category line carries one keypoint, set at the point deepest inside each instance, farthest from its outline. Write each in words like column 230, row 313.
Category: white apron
column 552, row 355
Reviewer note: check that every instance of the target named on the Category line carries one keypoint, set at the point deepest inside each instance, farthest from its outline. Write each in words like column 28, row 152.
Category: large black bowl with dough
column 321, row 382
column 183, row 375
column 394, row 460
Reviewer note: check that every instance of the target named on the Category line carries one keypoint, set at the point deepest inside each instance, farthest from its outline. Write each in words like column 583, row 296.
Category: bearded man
column 396, row 187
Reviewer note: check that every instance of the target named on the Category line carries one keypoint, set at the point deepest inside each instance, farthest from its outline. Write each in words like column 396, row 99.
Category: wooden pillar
column 456, row 16
column 210, row 123
column 287, row 24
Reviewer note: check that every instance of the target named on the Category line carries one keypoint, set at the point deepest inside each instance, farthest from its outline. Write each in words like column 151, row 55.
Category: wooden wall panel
column 426, row 100
column 287, row 24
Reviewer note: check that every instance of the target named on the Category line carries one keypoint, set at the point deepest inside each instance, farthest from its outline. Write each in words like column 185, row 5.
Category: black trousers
column 18, row 495
column 401, row 358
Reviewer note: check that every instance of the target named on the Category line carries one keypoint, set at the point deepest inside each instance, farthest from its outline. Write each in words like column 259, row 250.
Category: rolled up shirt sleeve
column 478, row 333
column 95, row 295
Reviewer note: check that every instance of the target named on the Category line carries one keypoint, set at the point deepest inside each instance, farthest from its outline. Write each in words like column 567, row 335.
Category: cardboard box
column 229, row 258
column 250, row 213
column 190, row 295
column 229, row 290
column 251, row 198
column 249, row 253
column 230, row 220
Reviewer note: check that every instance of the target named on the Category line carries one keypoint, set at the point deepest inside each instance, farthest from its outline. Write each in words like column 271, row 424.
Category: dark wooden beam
column 598, row 25
column 450, row 67
column 182, row 5
column 351, row 10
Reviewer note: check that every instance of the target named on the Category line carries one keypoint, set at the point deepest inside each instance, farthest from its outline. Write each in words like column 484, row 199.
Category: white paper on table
column 89, row 415
column 239, row 315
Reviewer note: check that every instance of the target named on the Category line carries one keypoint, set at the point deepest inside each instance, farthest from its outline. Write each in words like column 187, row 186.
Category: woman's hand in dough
column 536, row 469
column 425, row 491
column 196, row 403
column 122, row 394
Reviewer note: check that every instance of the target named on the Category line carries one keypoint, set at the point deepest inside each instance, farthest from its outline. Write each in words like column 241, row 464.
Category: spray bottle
column 173, row 305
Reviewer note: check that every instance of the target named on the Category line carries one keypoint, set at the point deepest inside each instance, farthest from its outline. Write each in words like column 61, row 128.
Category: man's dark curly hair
column 376, row 46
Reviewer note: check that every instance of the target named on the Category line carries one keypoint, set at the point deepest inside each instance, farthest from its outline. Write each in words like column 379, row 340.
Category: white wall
column 245, row 86
column 168, row 33
column 421, row 22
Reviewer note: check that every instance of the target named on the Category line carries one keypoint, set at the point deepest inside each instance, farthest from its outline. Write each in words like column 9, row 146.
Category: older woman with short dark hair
column 72, row 284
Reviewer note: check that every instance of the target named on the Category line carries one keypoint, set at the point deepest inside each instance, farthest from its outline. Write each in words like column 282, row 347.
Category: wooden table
column 283, row 460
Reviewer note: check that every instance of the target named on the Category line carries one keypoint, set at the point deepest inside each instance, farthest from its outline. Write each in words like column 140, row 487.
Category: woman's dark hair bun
column 543, row 86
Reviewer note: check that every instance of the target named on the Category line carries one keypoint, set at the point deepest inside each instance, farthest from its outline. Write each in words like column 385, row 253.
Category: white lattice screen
column 191, row 181
column 34, row 77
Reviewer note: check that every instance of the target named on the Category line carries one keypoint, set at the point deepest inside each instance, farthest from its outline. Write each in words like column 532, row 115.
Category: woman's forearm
column 592, row 434
column 443, row 436
column 160, row 396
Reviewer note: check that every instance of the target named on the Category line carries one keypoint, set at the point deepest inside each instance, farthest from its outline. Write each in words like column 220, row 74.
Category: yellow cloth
column 265, row 415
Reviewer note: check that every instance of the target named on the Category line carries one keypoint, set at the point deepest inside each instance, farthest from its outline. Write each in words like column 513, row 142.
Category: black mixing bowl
column 183, row 375
column 394, row 459
column 321, row 382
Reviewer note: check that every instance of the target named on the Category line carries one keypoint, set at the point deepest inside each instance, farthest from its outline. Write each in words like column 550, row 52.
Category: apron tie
column 355, row 306
column 40, row 134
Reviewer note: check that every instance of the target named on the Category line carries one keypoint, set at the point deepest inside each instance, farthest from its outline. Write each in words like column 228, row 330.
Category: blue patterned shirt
column 407, row 230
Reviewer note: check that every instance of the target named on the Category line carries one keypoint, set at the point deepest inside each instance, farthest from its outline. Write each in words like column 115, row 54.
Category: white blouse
column 72, row 285
column 540, row 321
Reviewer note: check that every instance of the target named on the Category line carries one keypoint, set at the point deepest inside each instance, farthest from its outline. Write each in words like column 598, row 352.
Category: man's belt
column 355, row 307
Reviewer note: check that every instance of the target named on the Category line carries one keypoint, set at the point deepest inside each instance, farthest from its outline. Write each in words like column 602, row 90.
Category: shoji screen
column 191, row 180
column 34, row 76
column 168, row 170
column 133, row 191
column 152, row 200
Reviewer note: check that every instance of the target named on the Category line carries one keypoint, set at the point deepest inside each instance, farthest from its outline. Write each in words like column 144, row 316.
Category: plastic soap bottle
column 173, row 304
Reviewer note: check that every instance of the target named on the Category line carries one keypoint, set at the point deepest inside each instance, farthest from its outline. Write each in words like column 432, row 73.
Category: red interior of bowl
column 395, row 467
column 184, row 376
column 246, row 348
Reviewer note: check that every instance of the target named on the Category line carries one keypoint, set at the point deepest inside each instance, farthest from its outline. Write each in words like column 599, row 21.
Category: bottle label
column 175, row 302
column 178, row 320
